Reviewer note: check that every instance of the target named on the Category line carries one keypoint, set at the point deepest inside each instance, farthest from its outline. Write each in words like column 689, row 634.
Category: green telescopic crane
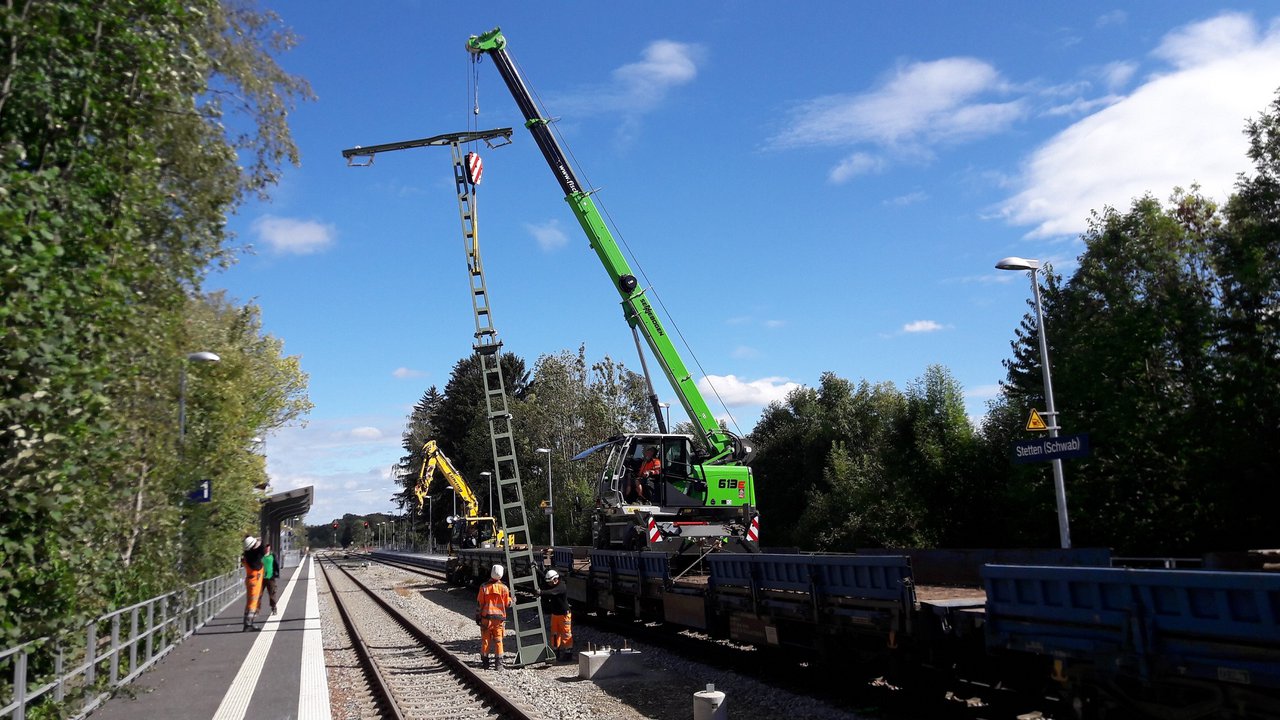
column 698, row 502
column 725, row 447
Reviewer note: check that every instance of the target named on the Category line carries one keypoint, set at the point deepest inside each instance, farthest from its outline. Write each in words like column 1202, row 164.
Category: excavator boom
column 434, row 459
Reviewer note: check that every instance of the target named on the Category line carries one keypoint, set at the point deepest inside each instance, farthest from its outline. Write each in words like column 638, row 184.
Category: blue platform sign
column 202, row 493
column 1052, row 448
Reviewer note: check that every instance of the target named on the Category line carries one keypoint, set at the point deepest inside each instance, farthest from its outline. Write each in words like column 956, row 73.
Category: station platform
column 225, row 673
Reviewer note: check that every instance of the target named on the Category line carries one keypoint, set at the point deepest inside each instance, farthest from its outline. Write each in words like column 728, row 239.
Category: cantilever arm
column 489, row 137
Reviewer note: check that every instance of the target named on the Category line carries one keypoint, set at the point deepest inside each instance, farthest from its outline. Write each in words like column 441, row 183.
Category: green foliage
column 1164, row 348
column 116, row 176
column 841, row 467
column 571, row 405
column 566, row 405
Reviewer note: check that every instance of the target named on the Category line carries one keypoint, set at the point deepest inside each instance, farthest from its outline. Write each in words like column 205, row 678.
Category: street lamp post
column 1059, row 486
column 551, row 502
column 488, row 477
column 203, row 356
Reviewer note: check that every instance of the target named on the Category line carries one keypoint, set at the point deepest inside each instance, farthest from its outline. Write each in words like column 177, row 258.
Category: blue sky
column 825, row 188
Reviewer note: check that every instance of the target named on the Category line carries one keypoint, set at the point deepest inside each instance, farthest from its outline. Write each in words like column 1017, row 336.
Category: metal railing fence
column 73, row 674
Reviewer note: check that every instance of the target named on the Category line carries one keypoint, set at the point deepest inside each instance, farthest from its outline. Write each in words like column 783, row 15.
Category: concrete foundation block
column 609, row 662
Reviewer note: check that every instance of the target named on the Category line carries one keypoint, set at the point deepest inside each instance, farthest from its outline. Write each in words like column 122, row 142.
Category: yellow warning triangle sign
column 1035, row 422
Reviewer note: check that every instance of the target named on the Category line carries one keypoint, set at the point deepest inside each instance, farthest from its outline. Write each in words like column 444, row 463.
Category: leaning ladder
column 531, row 641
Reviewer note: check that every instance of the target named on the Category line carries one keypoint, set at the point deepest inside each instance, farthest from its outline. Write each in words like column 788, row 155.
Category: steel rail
column 506, row 706
column 362, row 649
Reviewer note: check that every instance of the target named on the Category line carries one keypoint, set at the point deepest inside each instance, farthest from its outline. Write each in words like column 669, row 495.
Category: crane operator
column 642, row 488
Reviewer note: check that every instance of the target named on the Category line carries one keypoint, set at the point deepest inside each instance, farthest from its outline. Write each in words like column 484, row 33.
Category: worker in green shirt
column 270, row 571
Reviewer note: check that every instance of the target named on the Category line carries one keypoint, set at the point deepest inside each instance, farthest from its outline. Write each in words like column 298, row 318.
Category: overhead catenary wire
column 630, row 253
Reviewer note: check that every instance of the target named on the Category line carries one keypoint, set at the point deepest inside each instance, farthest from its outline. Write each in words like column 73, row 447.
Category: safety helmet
column 250, row 542
column 496, row 572
column 552, row 575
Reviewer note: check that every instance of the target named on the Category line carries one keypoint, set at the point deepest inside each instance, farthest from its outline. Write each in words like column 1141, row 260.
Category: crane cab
column 684, row 503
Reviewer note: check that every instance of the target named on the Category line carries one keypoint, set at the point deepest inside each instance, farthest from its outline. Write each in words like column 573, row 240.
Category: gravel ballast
column 663, row 688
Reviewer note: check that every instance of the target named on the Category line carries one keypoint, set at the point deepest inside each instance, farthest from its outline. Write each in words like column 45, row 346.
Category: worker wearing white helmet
column 492, row 603
column 555, row 601
column 253, row 570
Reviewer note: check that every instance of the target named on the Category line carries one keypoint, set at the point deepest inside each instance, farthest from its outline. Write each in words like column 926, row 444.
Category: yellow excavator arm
column 485, row 529
column 434, row 459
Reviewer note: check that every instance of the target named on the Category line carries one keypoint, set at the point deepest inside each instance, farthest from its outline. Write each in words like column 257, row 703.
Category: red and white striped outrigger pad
column 753, row 534
column 475, row 168
column 654, row 535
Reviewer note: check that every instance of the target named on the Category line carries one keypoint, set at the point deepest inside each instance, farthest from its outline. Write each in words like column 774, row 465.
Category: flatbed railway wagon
column 1110, row 641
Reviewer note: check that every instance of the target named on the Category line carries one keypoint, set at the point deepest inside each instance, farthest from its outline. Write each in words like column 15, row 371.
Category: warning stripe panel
column 475, row 168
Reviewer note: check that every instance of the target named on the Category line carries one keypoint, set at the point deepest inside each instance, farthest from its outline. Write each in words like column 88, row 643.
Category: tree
column 254, row 390
column 934, row 459
column 793, row 467
column 1165, row 345
column 1247, row 379
column 117, row 173
column 571, row 406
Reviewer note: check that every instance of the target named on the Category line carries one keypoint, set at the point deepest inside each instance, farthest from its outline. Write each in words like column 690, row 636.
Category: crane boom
column 725, row 447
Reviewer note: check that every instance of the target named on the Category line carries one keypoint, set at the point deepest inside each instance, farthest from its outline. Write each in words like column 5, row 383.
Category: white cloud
column 365, row 433
column 404, row 372
column 665, row 64
column 991, row 278
column 289, row 236
column 859, row 163
column 1116, row 75
column 922, row 326
column 347, row 460
column 736, row 392
column 920, row 105
column 1203, row 43
column 909, row 199
column 1180, row 126
column 1080, row 106
column 1115, row 17
column 743, row 352
column 982, row 392
column 637, row 87
column 549, row 235
column 754, row 321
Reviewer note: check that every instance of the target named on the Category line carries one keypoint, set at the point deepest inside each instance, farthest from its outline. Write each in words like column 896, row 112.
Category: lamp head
column 203, row 356
column 1017, row 263
column 543, row 450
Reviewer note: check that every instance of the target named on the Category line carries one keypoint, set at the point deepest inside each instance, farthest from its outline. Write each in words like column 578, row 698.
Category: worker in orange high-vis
column 492, row 603
column 253, row 571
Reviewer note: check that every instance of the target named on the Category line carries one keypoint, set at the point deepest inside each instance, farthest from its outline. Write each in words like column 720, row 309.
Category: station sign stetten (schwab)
column 1051, row 448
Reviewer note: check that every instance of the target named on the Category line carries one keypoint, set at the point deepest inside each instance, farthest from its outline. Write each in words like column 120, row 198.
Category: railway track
column 842, row 684
column 410, row 674
column 430, row 568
